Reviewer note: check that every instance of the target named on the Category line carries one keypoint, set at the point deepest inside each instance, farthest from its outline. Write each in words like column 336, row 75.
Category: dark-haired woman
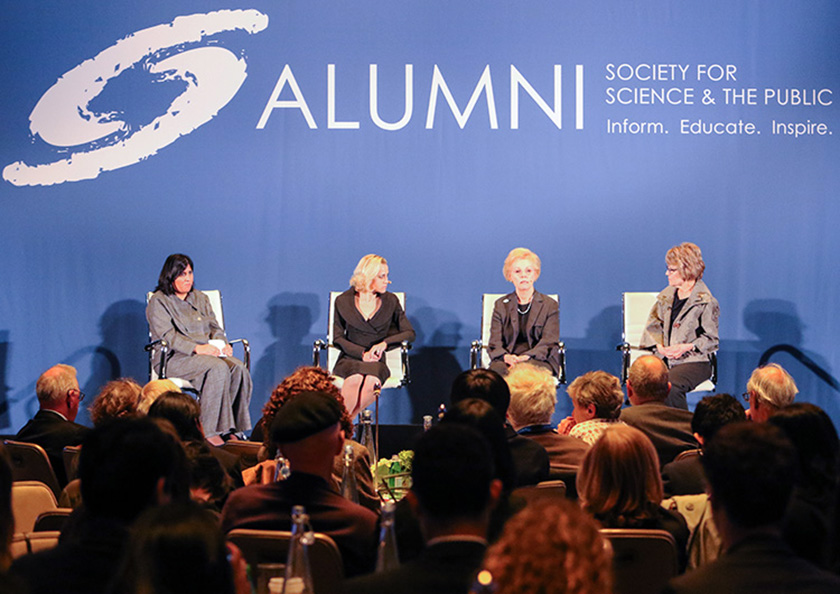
column 184, row 318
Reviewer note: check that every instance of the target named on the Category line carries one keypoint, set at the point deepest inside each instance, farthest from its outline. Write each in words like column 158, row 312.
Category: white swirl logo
column 99, row 142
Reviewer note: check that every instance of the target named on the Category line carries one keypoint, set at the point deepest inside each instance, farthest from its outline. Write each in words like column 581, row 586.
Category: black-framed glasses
column 81, row 394
column 746, row 396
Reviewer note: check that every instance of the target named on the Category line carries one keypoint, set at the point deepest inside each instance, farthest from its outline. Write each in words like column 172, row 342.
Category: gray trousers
column 225, row 387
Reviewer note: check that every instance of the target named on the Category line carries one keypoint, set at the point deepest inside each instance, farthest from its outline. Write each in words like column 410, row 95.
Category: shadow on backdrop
column 434, row 360
column 780, row 338
column 289, row 318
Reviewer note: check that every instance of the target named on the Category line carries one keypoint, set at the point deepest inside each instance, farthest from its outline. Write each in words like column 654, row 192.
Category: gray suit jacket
column 697, row 324
column 543, row 329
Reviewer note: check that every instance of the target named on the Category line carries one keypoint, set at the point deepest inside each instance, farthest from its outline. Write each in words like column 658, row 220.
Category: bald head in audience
column 770, row 388
column 647, row 380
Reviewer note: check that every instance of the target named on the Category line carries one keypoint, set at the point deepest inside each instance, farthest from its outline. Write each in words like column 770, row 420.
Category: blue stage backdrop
column 278, row 142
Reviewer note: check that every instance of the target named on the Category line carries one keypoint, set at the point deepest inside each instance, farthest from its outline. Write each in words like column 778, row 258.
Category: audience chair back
column 544, row 490
column 643, row 560
column 19, row 546
column 685, row 454
column 52, row 520
column 635, row 311
column 396, row 359
column 42, row 541
column 29, row 500
column 215, row 297
column 246, row 450
column 479, row 356
column 31, row 463
column 261, row 547
column 70, row 455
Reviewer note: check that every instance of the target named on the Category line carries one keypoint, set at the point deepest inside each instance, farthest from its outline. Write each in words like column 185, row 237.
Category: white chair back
column 635, row 308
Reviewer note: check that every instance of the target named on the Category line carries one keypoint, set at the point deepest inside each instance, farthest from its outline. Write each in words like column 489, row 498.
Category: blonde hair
column 688, row 259
column 533, row 395
column 52, row 386
column 601, row 389
column 773, row 385
column 550, row 546
column 152, row 390
column 619, row 481
column 520, row 253
column 366, row 270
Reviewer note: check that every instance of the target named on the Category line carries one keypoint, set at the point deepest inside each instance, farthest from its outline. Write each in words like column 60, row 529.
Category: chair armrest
column 164, row 350
column 713, row 359
column 561, row 374
column 318, row 346
column 624, row 347
column 247, row 346
column 405, row 346
column 475, row 354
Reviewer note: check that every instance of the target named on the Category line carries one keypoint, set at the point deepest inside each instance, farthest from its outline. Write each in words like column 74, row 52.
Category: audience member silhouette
column 751, row 469
column 452, row 494
column 810, row 526
column 668, row 428
column 308, row 431
column 619, row 484
column 125, row 467
column 685, row 477
column 550, row 546
column 53, row 427
column 176, row 549
column 529, row 458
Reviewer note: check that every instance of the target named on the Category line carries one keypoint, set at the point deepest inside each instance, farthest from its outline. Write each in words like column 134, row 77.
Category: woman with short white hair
column 525, row 323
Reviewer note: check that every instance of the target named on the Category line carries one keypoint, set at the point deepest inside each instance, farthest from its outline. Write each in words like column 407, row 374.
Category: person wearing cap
column 307, row 430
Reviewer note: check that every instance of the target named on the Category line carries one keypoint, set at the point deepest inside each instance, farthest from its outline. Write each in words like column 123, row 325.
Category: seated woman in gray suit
column 682, row 328
column 525, row 325
column 184, row 318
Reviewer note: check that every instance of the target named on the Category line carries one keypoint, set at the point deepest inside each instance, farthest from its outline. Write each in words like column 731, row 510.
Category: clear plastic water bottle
column 367, row 436
column 349, row 488
column 387, row 557
column 298, row 578
column 282, row 469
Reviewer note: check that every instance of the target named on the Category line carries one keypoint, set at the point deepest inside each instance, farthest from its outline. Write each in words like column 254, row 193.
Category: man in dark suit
column 668, row 428
column 751, row 469
column 452, row 494
column 53, row 427
column 685, row 477
column 529, row 458
column 307, row 430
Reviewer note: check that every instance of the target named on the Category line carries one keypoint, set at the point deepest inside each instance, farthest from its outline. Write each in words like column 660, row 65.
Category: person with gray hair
column 53, row 427
column 770, row 388
column 596, row 400
column 533, row 398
